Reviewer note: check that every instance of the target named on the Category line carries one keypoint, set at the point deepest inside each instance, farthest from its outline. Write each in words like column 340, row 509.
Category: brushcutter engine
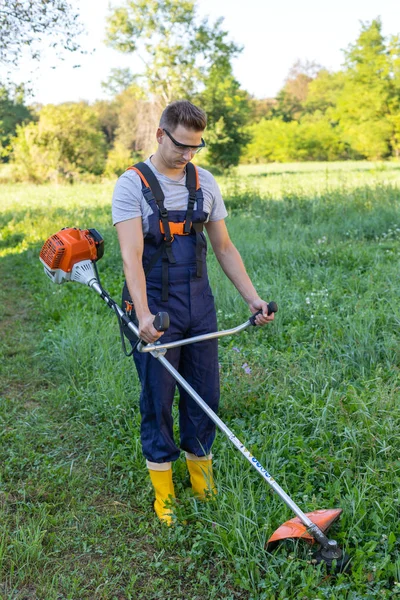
column 69, row 254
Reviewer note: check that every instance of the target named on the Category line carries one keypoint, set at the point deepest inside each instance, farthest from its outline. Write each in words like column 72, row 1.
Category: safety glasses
column 185, row 147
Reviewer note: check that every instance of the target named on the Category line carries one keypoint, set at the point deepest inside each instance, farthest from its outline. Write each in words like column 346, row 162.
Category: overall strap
column 150, row 182
column 200, row 244
column 192, row 181
column 193, row 184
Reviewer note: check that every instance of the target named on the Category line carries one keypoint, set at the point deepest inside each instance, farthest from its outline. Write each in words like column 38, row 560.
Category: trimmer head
column 335, row 560
column 294, row 528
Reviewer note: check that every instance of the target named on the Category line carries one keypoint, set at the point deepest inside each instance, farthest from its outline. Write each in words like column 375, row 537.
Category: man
column 159, row 209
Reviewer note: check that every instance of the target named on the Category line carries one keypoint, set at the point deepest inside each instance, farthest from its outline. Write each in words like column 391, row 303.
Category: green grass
column 277, row 180
column 319, row 409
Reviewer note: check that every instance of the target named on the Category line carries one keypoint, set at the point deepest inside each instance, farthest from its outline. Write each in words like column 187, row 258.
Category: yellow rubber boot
column 201, row 476
column 164, row 491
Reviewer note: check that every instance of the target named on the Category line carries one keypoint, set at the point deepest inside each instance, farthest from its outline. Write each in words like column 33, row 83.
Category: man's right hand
column 147, row 332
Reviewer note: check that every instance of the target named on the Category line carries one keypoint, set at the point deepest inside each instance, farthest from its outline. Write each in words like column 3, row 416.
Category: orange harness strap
column 197, row 177
column 175, row 228
column 142, row 177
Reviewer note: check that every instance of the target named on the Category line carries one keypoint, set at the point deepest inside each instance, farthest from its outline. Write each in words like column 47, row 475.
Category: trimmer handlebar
column 162, row 317
column 161, row 321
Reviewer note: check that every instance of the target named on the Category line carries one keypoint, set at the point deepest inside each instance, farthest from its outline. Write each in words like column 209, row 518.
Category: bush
column 32, row 160
column 66, row 143
column 272, row 141
column 275, row 140
column 317, row 139
column 118, row 160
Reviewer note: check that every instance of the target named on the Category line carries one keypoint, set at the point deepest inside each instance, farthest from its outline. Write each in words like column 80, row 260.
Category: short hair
column 183, row 112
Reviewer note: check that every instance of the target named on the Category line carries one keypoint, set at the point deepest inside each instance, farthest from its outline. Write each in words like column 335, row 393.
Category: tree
column 177, row 50
column 107, row 112
column 299, row 77
column 118, row 81
column 25, row 24
column 137, row 120
column 363, row 107
column 354, row 113
column 271, row 141
column 293, row 95
column 66, row 142
column 313, row 138
column 261, row 108
column 317, row 139
column 228, row 111
column 13, row 112
column 394, row 103
column 128, row 123
column 324, row 91
column 183, row 58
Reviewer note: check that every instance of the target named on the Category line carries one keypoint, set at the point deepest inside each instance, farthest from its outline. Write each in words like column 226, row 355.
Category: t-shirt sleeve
column 127, row 198
column 218, row 210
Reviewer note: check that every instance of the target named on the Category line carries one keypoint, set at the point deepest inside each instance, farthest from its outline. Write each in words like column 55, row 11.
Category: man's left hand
column 258, row 304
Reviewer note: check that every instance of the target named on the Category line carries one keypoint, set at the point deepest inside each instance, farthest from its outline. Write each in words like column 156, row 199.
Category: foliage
column 227, row 108
column 261, row 108
column 108, row 116
column 183, row 58
column 137, row 120
column 118, row 81
column 275, row 140
column 323, row 91
column 271, row 141
column 177, row 50
column 119, row 159
column 363, row 106
column 65, row 143
column 13, row 112
column 318, row 115
column 25, row 24
column 129, row 121
column 291, row 98
column 353, row 113
column 314, row 396
column 317, row 139
column 34, row 160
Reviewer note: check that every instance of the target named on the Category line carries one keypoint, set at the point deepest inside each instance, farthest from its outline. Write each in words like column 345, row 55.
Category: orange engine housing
column 71, row 245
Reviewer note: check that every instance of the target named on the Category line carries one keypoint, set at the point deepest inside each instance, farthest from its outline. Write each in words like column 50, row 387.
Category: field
column 315, row 397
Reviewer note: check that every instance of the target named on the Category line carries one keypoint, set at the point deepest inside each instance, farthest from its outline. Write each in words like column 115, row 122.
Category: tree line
column 353, row 113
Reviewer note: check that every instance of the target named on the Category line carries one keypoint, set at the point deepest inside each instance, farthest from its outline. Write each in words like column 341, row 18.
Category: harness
column 152, row 191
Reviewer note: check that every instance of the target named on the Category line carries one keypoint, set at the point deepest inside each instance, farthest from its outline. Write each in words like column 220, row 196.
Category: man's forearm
column 136, row 282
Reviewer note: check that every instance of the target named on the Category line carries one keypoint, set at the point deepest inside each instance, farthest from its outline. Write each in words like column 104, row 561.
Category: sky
column 273, row 35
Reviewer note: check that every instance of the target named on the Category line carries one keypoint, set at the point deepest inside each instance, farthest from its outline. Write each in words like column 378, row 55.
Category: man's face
column 178, row 147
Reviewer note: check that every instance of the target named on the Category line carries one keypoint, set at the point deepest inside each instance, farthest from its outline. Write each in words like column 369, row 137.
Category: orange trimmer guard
column 294, row 528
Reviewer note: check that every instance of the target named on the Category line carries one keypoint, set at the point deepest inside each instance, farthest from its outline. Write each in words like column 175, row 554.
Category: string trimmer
column 71, row 255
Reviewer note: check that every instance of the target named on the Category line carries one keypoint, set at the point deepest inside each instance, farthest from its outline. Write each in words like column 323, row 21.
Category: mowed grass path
column 319, row 407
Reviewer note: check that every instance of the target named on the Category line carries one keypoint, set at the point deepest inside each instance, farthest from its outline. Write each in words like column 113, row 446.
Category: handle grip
column 161, row 321
column 272, row 308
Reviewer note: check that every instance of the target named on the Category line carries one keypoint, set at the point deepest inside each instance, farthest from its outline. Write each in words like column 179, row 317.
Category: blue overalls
column 190, row 304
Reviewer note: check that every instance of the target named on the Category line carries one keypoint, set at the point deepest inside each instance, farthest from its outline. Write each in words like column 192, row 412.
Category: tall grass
column 314, row 397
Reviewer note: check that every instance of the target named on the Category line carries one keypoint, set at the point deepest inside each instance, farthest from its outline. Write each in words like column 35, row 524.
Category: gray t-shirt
column 128, row 201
